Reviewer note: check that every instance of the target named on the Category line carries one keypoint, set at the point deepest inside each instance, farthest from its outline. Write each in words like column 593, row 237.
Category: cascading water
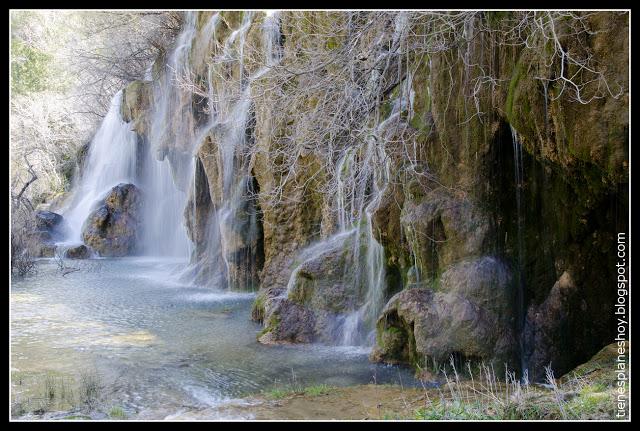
column 520, row 299
column 169, row 161
column 111, row 160
column 232, row 228
column 361, row 176
column 357, row 327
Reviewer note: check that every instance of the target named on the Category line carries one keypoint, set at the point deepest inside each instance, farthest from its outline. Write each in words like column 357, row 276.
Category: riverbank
column 586, row 393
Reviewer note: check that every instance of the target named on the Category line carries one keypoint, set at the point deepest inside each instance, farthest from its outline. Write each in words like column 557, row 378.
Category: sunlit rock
column 113, row 228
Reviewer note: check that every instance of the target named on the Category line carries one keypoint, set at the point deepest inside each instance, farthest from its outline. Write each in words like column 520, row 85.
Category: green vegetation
column 317, row 390
column 588, row 393
column 292, row 389
column 117, row 412
column 29, row 68
column 39, row 393
column 455, row 411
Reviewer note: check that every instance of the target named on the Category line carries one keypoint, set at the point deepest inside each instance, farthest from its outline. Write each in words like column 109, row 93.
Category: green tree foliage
column 29, row 68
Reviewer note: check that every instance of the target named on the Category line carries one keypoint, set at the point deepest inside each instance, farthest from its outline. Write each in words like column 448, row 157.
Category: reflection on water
column 159, row 346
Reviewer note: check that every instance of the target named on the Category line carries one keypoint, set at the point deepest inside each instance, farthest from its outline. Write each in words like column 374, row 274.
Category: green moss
column 303, row 290
column 257, row 309
column 517, row 74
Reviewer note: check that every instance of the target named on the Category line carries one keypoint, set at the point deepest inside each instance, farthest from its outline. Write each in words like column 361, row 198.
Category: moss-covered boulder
column 286, row 321
column 469, row 315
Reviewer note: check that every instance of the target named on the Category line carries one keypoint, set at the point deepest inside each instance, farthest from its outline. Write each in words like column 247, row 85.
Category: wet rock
column 47, row 220
column 112, row 229
column 42, row 236
column 42, row 249
column 79, row 252
column 136, row 98
column 81, row 156
column 236, row 217
column 546, row 327
column 322, row 289
column 50, row 227
column 442, row 229
column 288, row 322
column 469, row 316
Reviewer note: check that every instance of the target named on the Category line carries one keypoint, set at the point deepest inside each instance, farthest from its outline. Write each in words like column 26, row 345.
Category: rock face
column 547, row 322
column 502, row 205
column 79, row 252
column 113, row 228
column 441, row 229
column 469, row 316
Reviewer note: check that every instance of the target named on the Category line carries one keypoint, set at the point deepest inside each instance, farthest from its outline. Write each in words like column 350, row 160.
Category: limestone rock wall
column 481, row 262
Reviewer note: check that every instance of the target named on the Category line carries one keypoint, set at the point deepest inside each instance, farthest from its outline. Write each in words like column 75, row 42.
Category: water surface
column 159, row 346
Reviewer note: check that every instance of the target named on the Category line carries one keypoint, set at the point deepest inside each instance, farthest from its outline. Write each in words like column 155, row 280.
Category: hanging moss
column 517, row 74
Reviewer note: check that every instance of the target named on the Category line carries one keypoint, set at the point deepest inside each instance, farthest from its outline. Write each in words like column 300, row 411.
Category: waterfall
column 111, row 160
column 271, row 38
column 520, row 299
column 361, row 177
column 360, row 185
column 165, row 165
column 358, row 326
column 169, row 160
column 233, row 232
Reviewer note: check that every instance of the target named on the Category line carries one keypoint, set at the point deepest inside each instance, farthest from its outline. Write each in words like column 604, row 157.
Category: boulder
column 50, row 227
column 287, row 322
column 467, row 315
column 47, row 220
column 78, row 252
column 112, row 229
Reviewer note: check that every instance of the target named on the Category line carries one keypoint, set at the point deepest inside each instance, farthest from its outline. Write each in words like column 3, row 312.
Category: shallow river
column 160, row 347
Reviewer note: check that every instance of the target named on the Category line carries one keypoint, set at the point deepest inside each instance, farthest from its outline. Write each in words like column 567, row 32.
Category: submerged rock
column 113, row 228
column 468, row 316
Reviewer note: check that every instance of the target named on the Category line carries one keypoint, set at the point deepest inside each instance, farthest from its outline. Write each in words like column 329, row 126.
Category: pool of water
column 160, row 346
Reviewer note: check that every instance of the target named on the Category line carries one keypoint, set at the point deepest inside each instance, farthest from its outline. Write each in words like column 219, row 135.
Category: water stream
column 520, row 297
